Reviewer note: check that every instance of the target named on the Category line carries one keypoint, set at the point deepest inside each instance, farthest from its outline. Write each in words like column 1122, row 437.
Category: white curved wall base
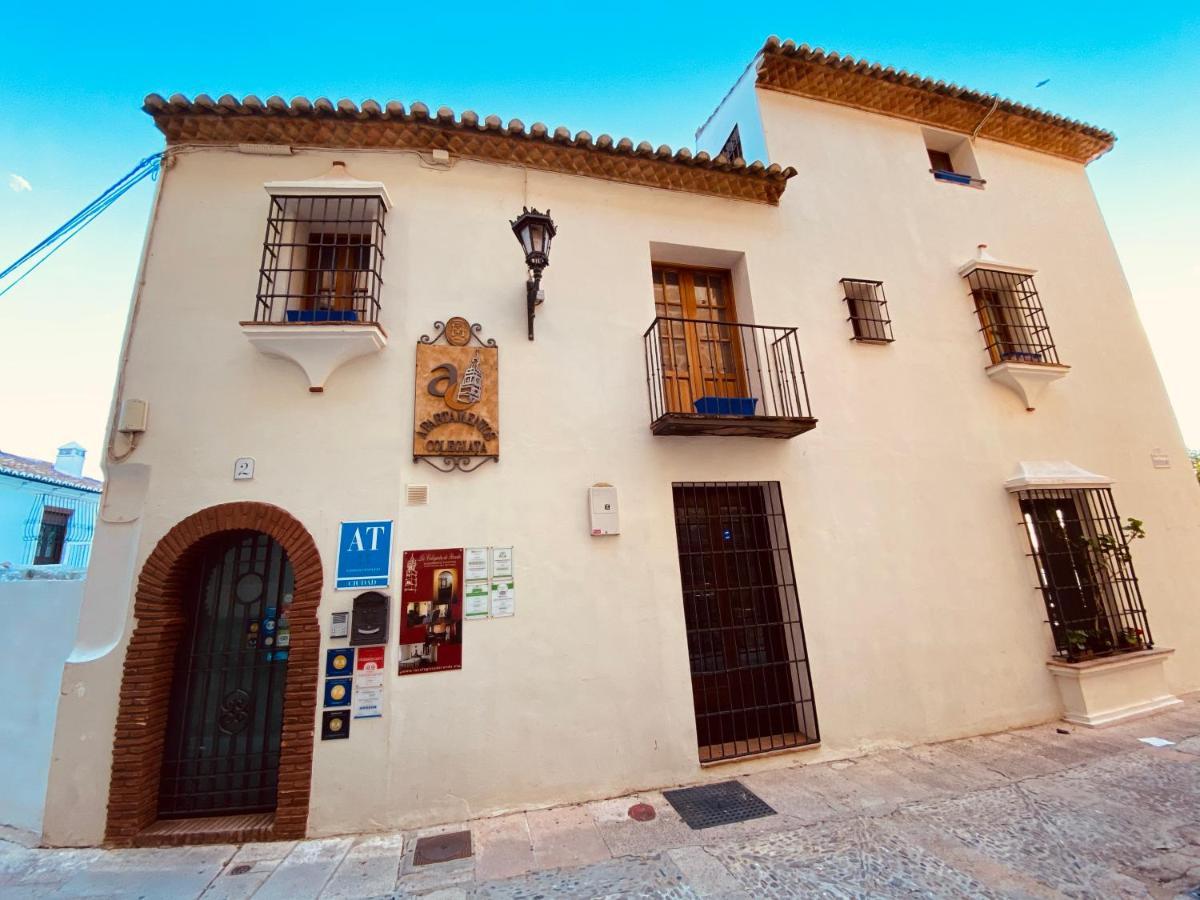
column 318, row 349
column 1026, row 380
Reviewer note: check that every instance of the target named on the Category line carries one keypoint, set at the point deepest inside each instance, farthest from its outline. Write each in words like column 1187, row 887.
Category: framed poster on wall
column 431, row 611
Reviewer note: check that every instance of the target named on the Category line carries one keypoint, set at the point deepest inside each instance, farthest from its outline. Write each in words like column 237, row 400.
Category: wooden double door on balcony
column 699, row 344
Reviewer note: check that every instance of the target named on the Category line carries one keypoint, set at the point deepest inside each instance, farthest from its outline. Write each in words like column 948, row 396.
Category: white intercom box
column 602, row 502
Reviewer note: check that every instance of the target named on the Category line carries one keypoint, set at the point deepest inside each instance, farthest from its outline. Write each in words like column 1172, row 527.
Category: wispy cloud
column 17, row 183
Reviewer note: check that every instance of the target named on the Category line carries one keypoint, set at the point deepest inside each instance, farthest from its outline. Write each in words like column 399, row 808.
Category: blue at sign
column 364, row 555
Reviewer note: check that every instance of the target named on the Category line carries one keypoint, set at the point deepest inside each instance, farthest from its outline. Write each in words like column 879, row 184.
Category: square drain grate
column 440, row 848
column 717, row 804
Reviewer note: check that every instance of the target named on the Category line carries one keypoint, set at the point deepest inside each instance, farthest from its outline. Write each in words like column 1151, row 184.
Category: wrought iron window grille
column 1081, row 556
column 732, row 148
column 1011, row 318
column 52, row 536
column 751, row 683
column 322, row 261
column 868, row 311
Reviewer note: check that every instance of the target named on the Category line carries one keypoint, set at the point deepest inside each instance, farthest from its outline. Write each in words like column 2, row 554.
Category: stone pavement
column 1030, row 813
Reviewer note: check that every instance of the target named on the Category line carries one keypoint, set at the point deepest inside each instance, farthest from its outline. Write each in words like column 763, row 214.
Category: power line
column 48, row 246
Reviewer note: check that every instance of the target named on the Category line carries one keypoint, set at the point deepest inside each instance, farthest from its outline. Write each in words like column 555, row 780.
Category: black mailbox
column 369, row 625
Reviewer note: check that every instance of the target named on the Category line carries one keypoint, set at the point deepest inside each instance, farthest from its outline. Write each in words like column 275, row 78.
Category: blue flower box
column 322, row 315
column 954, row 177
column 1021, row 356
column 726, row 406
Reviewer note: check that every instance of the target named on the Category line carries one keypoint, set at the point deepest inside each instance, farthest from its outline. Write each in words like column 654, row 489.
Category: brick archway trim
column 160, row 619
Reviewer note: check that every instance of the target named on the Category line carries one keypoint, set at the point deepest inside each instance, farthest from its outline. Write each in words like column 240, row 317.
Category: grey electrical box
column 133, row 417
column 602, row 504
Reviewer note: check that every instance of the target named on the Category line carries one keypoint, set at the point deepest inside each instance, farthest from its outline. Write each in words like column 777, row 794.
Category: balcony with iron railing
column 707, row 377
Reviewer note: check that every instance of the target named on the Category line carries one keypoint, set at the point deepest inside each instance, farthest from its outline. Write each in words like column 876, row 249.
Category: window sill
column 754, row 755
column 957, row 178
column 1111, row 689
column 318, row 348
column 1026, row 379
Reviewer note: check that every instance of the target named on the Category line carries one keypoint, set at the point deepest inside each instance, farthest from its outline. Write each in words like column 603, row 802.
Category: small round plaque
column 458, row 332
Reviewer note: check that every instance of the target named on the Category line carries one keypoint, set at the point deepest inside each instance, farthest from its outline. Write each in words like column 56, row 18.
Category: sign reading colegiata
column 457, row 408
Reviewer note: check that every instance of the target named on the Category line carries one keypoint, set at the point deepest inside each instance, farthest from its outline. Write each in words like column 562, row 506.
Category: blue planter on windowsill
column 726, row 406
column 1021, row 356
column 953, row 177
column 322, row 315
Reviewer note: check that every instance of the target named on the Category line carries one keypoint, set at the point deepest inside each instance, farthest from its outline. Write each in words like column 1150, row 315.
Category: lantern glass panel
column 537, row 237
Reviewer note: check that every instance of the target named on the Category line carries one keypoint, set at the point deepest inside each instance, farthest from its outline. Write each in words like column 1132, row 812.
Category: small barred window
column 1011, row 318
column 868, row 312
column 733, row 146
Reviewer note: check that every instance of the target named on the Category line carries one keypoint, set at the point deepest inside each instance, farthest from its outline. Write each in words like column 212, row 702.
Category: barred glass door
column 226, row 716
column 750, row 679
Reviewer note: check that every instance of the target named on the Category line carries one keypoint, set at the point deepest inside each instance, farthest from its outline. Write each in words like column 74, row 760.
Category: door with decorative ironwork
column 225, row 720
column 750, row 678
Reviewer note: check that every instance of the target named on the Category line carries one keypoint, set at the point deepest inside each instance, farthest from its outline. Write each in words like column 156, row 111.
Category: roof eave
column 392, row 127
column 815, row 74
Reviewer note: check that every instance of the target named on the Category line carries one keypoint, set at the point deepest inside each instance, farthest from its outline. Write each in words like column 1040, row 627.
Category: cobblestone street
column 1029, row 813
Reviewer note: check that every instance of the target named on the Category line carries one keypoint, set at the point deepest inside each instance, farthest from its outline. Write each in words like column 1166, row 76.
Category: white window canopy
column 1053, row 473
column 337, row 182
column 985, row 260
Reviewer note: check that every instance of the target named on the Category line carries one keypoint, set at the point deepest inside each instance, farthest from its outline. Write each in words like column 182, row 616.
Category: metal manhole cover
column 439, row 848
column 717, row 804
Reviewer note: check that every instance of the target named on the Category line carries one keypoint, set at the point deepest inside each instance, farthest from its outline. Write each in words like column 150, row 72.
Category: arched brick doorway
column 159, row 611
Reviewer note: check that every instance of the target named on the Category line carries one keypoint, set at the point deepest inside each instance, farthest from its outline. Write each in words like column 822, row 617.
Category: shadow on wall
column 40, row 618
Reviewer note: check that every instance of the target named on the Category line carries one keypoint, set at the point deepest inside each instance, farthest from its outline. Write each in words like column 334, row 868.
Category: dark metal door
column 226, row 715
column 750, row 678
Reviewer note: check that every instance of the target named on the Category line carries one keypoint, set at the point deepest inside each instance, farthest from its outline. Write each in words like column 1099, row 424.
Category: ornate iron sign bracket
column 457, row 398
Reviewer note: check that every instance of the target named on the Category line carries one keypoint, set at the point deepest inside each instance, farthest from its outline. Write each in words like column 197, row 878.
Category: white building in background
column 837, row 432
column 47, row 511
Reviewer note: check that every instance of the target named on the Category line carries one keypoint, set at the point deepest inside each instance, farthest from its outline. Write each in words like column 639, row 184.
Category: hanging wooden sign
column 456, row 422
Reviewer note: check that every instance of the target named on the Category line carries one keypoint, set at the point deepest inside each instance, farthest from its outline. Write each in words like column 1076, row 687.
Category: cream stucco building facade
column 913, row 575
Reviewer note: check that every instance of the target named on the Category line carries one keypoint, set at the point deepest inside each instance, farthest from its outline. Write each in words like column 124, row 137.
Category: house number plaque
column 456, row 422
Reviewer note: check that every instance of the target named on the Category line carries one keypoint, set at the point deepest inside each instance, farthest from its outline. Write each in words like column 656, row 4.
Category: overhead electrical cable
column 28, row 262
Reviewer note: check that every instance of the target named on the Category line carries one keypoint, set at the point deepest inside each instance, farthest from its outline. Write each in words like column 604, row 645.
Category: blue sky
column 72, row 77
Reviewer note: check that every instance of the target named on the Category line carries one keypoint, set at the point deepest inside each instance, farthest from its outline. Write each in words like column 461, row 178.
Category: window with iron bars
column 322, row 258
column 868, row 310
column 1080, row 549
column 732, row 149
column 52, row 536
column 1011, row 318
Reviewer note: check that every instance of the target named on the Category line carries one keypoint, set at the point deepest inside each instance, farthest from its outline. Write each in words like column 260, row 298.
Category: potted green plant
column 1079, row 644
column 1109, row 555
column 1132, row 638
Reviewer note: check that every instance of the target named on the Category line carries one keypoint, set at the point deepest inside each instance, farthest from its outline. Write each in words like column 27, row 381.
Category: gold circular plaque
column 338, row 691
column 340, row 661
column 335, row 724
column 458, row 332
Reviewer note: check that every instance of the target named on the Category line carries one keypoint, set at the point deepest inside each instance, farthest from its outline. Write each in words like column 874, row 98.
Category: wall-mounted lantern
column 534, row 230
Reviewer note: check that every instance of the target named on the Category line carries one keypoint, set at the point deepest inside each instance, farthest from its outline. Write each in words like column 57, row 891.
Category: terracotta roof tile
column 372, row 126
column 39, row 470
column 803, row 70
